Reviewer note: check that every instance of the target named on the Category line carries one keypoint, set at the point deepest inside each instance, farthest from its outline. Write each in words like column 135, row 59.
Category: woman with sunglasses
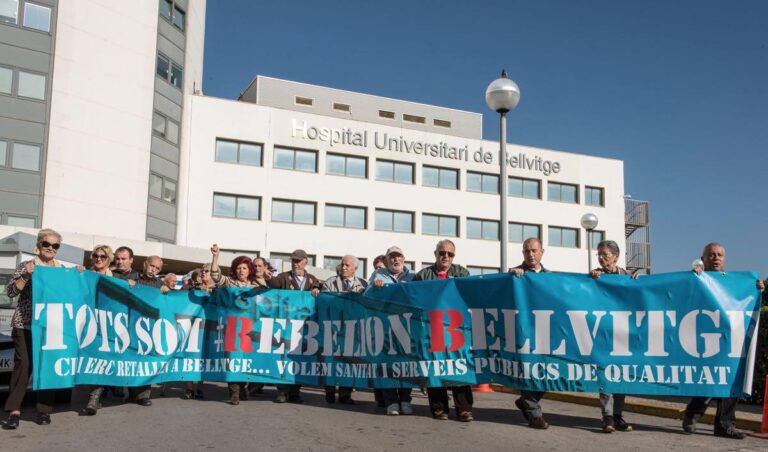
column 101, row 256
column 48, row 243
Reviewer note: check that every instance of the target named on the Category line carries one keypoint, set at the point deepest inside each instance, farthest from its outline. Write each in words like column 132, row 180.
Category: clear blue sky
column 678, row 89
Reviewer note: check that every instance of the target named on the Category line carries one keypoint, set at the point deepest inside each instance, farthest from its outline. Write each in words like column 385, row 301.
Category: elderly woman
column 241, row 274
column 48, row 243
column 611, row 405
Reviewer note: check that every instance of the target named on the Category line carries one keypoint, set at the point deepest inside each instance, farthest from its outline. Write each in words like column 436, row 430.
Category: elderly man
column 397, row 400
column 295, row 279
column 444, row 268
column 713, row 258
column 528, row 403
column 345, row 281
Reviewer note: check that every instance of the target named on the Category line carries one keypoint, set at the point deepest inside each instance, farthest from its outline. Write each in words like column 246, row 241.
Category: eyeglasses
column 47, row 244
column 98, row 256
column 205, row 271
column 445, row 253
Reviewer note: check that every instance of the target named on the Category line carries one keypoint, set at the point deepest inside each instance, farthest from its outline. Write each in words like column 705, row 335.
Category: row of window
column 355, row 217
column 171, row 12
column 402, row 172
column 34, row 16
column 386, row 114
column 22, row 83
column 22, row 156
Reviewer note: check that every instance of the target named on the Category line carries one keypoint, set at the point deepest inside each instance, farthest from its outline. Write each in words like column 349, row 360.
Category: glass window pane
column 355, row 167
column 475, row 271
column 178, row 18
column 554, row 236
column 283, row 158
column 25, row 156
column 176, row 75
column 224, row 206
column 430, row 177
column 9, row 11
column 474, row 229
column 282, row 211
column 6, row 79
column 330, row 263
column 553, row 192
column 305, row 161
column 226, row 151
column 334, row 164
column 334, row 216
column 165, row 9
column 490, row 230
column 404, row 173
column 385, row 171
column 248, row 208
column 515, row 232
column 250, row 154
column 403, row 222
column 490, row 183
column 384, row 220
column 31, row 85
column 355, row 218
column 304, row 213
column 361, row 266
column 37, row 17
column 568, row 193
column 163, row 67
column 23, row 222
column 449, row 178
column 169, row 191
column 3, row 152
column 448, row 226
column 530, row 230
column 569, row 238
column 474, row 182
column 531, row 189
column 172, row 132
column 155, row 186
column 158, row 123
column 515, row 187
column 430, row 225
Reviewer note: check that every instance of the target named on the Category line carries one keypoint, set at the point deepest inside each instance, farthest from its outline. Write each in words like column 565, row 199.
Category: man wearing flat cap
column 296, row 279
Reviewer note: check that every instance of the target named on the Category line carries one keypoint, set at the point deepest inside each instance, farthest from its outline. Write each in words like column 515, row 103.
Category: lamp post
column 502, row 96
column 589, row 222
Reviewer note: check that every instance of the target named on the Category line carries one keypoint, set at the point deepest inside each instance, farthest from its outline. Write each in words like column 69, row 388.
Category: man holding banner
column 713, row 258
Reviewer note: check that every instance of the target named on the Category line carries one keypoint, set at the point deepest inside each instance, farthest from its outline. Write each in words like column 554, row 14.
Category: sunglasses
column 205, row 271
column 445, row 253
column 46, row 244
column 99, row 256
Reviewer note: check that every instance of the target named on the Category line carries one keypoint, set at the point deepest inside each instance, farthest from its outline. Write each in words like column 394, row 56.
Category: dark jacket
column 455, row 271
column 524, row 267
column 285, row 281
column 132, row 274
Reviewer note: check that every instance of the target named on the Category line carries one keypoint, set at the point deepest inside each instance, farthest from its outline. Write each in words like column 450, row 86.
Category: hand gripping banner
column 671, row 334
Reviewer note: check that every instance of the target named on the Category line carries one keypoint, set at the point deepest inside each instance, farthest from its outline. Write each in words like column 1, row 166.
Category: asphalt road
column 259, row 424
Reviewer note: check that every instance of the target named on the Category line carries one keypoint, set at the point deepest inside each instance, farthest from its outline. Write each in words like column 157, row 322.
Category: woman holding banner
column 201, row 280
column 48, row 244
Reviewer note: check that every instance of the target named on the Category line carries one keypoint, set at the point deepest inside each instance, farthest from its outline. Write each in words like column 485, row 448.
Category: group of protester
column 256, row 273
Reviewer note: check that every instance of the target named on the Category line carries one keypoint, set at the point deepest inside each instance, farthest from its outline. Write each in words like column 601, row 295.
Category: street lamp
column 589, row 222
column 502, row 96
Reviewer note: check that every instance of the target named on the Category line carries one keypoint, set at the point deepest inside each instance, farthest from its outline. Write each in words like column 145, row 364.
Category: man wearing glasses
column 444, row 268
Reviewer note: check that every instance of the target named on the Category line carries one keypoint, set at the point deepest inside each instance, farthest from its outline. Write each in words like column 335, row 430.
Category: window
column 162, row 188
column 482, row 229
column 442, row 225
column 176, row 75
column 248, row 253
column 593, row 196
column 483, row 183
column 24, row 222
column 6, row 79
column 37, row 17
column 9, row 11
column 387, row 171
column 433, row 176
column 165, row 127
column 395, row 221
column 331, row 262
column 304, row 101
column 519, row 232
column 413, row 118
column 524, row 188
column 597, row 237
column 565, row 237
column 345, row 216
column 293, row 211
column 442, row 123
column 25, row 157
column 166, row 9
column 236, row 206
column 178, row 18
column 3, row 152
column 286, row 258
column 238, row 152
column 344, row 165
column 295, row 159
column 341, row 107
column 31, row 85
column 562, row 193
column 410, row 265
column 172, row 13
column 386, row 114
column 169, row 71
column 473, row 271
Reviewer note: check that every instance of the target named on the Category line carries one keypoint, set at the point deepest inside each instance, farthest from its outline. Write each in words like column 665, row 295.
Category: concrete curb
column 671, row 410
